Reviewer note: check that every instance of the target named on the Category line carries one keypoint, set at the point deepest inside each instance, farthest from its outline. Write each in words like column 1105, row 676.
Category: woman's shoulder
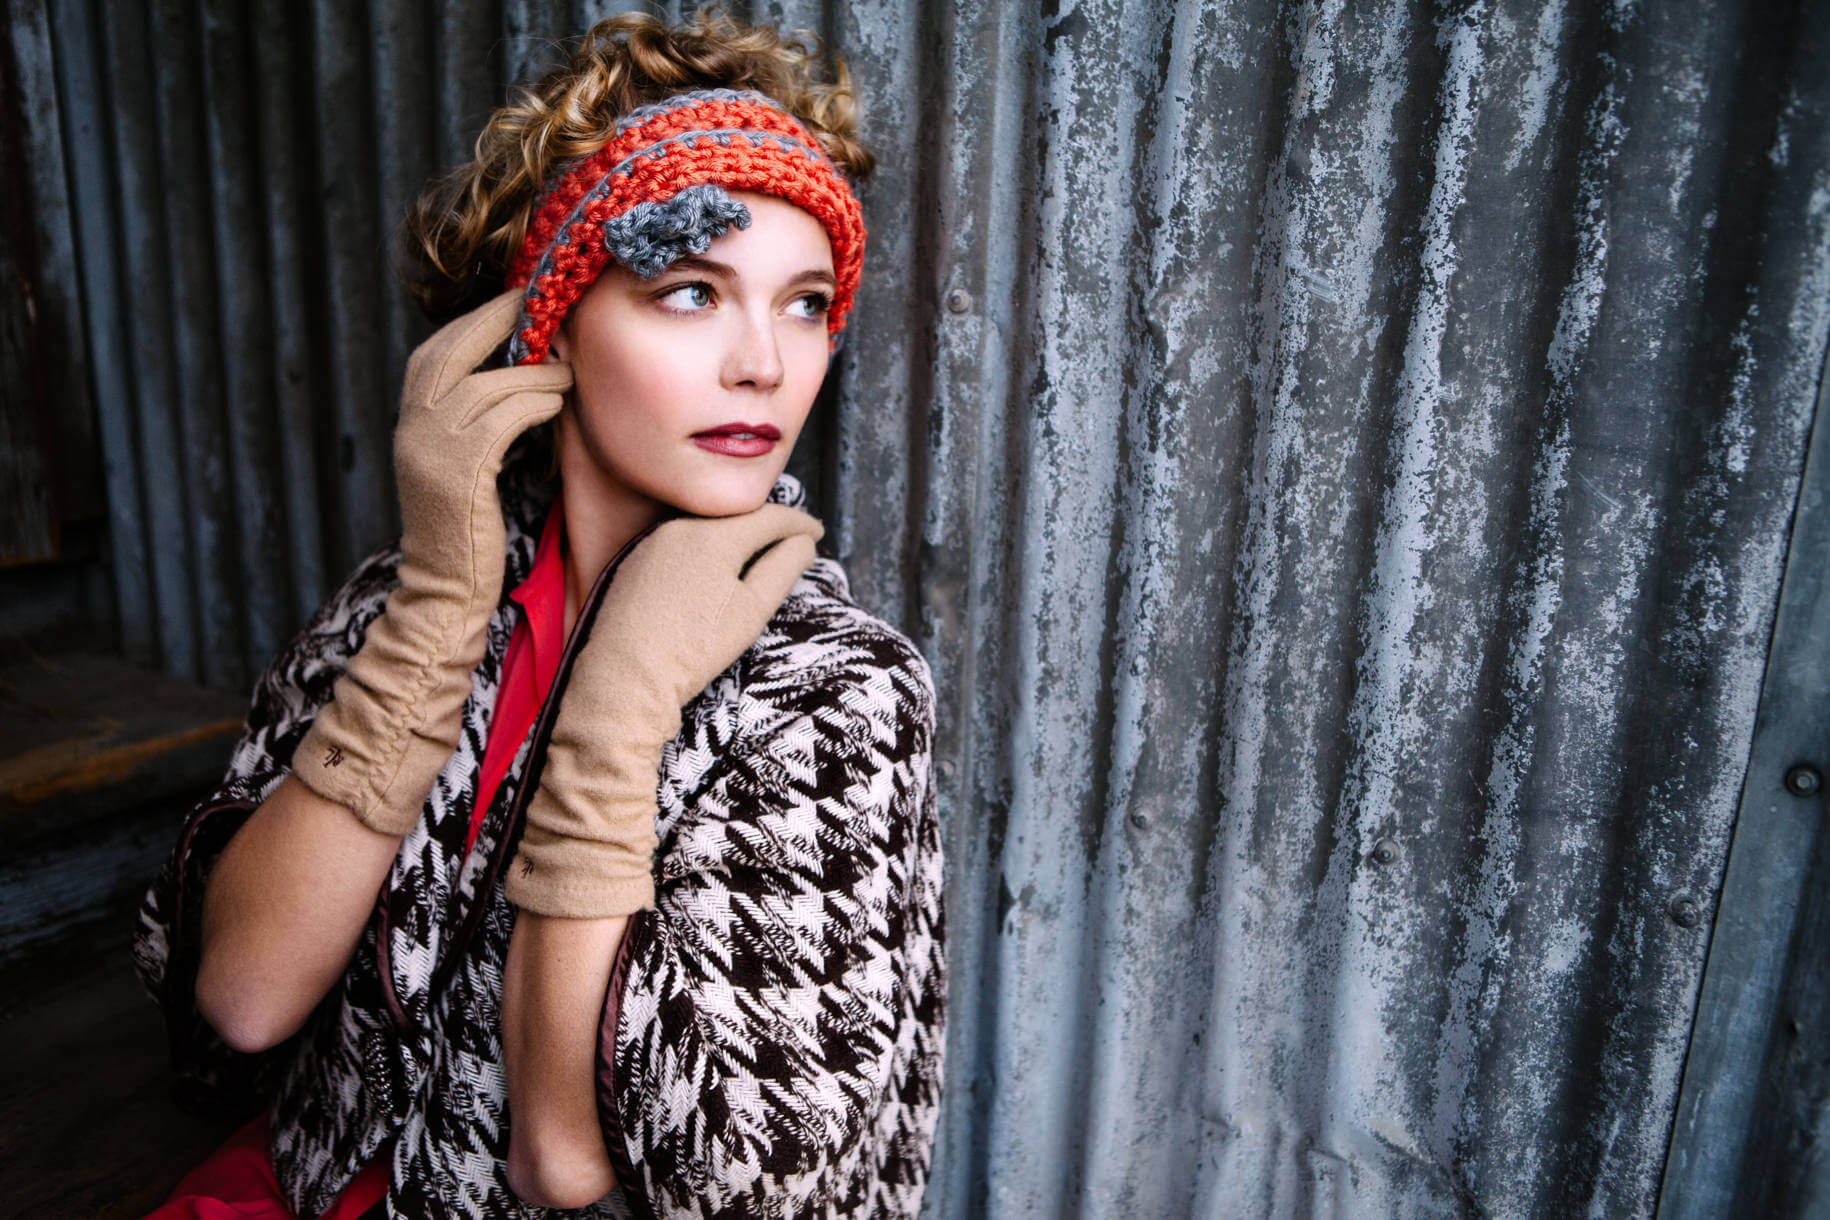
column 830, row 704
column 822, row 637
column 841, row 673
column 822, row 645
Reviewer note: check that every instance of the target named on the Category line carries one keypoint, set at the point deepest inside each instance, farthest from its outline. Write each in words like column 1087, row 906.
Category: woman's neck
column 601, row 515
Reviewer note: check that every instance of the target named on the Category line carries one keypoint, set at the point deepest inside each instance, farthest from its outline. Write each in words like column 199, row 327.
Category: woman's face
column 690, row 389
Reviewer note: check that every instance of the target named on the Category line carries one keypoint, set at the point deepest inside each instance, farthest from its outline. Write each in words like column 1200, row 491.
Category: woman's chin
column 724, row 502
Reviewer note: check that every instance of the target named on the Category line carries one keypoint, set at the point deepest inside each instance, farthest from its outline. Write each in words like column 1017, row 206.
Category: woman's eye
column 814, row 305
column 694, row 295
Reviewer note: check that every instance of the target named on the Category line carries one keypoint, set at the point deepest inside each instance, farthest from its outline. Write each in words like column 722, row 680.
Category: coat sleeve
column 751, row 1024
column 166, row 935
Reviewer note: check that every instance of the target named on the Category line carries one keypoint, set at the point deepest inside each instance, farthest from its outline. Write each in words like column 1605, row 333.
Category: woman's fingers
column 518, row 412
column 437, row 365
column 759, row 583
column 744, row 535
column 440, row 457
column 480, row 394
column 773, row 572
column 718, row 548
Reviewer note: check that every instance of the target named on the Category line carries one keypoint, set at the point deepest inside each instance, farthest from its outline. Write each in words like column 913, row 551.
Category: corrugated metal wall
column 1339, row 458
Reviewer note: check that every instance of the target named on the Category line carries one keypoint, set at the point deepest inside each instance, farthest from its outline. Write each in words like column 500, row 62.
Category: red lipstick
column 739, row 439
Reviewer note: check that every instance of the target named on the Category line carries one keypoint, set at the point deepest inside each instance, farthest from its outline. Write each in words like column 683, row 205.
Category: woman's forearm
column 282, row 913
column 552, row 1005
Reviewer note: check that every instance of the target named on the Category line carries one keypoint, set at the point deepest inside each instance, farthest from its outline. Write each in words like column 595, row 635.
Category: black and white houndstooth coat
column 771, row 1042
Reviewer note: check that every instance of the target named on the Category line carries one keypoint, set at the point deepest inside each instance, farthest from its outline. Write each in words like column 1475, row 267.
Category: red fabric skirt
column 237, row 1183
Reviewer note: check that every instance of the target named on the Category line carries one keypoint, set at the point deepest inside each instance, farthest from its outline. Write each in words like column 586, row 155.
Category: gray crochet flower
column 650, row 237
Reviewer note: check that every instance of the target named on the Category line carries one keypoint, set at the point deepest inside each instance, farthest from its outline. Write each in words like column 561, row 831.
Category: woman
column 581, row 851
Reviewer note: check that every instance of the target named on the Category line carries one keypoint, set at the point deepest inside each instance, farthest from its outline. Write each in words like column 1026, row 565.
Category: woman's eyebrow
column 695, row 262
column 711, row 266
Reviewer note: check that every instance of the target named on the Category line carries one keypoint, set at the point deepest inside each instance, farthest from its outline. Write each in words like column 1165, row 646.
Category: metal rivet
column 1139, row 820
column 946, row 770
column 1685, row 912
column 1803, row 780
column 959, row 301
column 1384, row 851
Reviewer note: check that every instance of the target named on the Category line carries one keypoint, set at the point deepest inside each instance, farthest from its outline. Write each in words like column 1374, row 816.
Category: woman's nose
column 754, row 358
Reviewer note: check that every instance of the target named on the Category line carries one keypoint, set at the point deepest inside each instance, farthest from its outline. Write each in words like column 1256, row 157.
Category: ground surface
column 99, row 762
column 87, row 1124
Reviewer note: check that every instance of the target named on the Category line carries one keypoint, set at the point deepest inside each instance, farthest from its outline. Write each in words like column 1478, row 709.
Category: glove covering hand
column 682, row 605
column 394, row 720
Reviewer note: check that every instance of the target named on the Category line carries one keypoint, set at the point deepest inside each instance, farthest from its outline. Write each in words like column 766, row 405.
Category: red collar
column 529, row 666
column 543, row 595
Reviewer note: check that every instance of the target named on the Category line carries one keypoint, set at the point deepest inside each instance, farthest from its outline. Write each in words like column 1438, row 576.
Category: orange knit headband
column 656, row 193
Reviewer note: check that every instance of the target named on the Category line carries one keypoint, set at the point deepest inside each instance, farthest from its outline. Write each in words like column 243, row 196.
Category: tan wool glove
column 394, row 719
column 681, row 606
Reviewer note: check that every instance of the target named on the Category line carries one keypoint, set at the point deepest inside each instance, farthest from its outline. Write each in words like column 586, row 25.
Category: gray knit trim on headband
column 674, row 101
column 641, row 114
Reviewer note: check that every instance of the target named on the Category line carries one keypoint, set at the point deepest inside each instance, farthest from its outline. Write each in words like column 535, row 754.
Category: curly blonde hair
column 465, row 228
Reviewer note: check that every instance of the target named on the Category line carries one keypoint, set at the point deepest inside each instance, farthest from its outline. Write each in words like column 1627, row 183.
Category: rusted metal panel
column 28, row 522
column 51, row 452
column 1339, row 460
column 284, row 198
column 148, row 413
column 1347, row 513
column 86, row 138
column 1749, row 1130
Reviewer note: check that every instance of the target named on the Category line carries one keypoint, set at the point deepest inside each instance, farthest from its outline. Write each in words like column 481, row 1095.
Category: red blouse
column 530, row 665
